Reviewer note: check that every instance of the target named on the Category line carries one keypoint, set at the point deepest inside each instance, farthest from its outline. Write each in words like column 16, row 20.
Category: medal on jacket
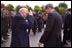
column 26, row 20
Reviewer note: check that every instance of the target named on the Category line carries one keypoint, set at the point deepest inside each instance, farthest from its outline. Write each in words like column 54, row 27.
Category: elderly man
column 52, row 34
column 21, row 23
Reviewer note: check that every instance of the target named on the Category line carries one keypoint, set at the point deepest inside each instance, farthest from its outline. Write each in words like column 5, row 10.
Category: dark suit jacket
column 51, row 35
column 67, row 22
column 20, row 37
column 4, row 22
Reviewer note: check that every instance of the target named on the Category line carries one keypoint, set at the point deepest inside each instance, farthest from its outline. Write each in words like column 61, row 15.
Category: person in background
column 33, row 25
column 4, row 23
column 17, row 11
column 21, row 22
column 44, row 17
column 11, row 15
column 67, row 26
column 2, row 7
column 39, row 22
column 52, row 34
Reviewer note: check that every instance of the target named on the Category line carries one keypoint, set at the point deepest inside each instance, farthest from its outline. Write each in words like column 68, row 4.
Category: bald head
column 23, row 11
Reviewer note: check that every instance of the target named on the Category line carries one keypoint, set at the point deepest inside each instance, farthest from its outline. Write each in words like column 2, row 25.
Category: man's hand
column 31, row 13
column 68, row 29
column 39, row 44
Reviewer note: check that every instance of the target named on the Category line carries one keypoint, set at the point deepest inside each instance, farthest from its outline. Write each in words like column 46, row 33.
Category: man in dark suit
column 21, row 23
column 67, row 26
column 52, row 34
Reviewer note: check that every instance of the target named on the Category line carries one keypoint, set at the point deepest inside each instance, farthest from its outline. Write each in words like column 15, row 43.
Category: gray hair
column 49, row 5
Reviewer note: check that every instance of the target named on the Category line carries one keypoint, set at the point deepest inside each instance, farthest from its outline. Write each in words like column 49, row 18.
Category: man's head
column 2, row 7
column 18, row 7
column 4, row 10
column 69, row 9
column 23, row 11
column 48, row 8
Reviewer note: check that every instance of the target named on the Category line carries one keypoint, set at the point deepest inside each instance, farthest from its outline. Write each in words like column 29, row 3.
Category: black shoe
column 8, row 35
column 5, row 38
column 39, row 30
column 69, row 40
column 64, row 43
column 34, row 34
column 2, row 41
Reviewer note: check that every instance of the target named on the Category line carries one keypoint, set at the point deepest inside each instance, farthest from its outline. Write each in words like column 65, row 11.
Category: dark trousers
column 67, row 36
column 33, row 30
column 4, row 34
column 39, row 27
column 44, row 22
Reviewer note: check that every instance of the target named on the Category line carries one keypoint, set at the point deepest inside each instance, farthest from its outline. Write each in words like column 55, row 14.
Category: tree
column 28, row 7
column 62, row 10
column 17, row 8
column 2, row 5
column 43, row 7
column 10, row 6
column 57, row 8
column 37, row 8
column 64, row 5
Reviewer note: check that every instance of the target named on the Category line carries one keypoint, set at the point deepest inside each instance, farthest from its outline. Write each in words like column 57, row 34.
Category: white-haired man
column 21, row 23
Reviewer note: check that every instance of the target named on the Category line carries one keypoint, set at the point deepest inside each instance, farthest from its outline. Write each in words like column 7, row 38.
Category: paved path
column 33, row 40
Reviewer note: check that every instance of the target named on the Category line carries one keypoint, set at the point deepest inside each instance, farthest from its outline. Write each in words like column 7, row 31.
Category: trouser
column 33, row 30
column 4, row 34
column 44, row 22
column 67, row 36
column 39, row 27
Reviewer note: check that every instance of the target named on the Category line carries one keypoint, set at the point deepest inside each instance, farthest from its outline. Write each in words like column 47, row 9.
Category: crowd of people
column 6, row 21
column 25, row 19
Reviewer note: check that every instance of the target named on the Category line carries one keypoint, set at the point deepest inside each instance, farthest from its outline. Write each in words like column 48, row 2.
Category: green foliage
column 10, row 6
column 43, row 7
column 62, row 10
column 37, row 8
column 64, row 5
column 2, row 5
column 28, row 7
column 57, row 9
column 17, row 8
